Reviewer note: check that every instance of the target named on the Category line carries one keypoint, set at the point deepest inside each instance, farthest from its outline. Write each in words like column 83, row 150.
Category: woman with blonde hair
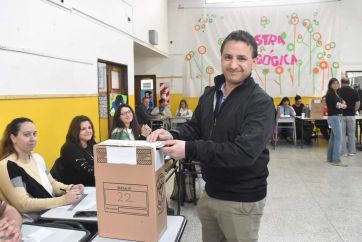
column 183, row 110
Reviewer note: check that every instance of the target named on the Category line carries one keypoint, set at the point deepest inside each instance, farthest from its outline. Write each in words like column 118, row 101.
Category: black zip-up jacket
column 231, row 143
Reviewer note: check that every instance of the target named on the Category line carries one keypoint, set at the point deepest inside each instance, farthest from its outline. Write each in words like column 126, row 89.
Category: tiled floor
column 308, row 199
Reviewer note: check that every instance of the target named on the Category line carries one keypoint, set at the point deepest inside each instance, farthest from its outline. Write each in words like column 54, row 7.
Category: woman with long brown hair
column 335, row 106
column 25, row 181
column 76, row 155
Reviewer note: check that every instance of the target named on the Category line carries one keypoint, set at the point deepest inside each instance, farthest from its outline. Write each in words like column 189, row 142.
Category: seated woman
column 285, row 110
column 125, row 125
column 183, row 110
column 76, row 154
column 25, row 181
column 10, row 223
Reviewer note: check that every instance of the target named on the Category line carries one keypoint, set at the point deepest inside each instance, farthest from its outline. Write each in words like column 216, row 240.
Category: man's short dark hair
column 241, row 35
column 297, row 97
column 162, row 100
column 345, row 81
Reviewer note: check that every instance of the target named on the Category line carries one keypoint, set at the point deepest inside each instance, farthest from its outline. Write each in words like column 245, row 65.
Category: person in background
column 230, row 142
column 25, row 181
column 125, row 125
column 322, row 125
column 76, row 154
column 10, row 223
column 183, row 110
column 357, row 87
column 285, row 110
column 150, row 96
column 351, row 98
column 142, row 113
column 163, row 110
column 308, row 126
column 335, row 106
column 298, row 105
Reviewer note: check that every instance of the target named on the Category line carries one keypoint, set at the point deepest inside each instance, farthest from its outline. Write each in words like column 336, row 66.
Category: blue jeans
column 335, row 140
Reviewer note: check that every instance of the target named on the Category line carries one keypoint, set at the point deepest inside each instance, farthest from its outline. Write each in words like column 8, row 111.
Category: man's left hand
column 174, row 148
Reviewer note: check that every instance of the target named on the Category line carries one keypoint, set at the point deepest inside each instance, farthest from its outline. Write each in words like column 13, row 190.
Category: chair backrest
column 57, row 170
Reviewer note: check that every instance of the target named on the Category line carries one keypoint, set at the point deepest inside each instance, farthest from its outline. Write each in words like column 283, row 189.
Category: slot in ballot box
column 130, row 190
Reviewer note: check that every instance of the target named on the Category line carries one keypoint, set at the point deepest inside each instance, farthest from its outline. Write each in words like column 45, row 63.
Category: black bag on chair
column 189, row 188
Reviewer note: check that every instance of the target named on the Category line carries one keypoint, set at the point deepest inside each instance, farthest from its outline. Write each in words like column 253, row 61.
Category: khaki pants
column 229, row 221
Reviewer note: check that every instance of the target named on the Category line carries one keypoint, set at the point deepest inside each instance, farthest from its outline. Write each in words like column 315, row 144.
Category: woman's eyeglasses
column 127, row 112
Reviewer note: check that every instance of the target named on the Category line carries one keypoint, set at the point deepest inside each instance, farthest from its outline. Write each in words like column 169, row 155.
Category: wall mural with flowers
column 297, row 46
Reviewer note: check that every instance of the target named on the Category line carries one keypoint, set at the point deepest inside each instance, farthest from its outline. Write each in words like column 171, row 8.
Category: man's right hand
column 159, row 134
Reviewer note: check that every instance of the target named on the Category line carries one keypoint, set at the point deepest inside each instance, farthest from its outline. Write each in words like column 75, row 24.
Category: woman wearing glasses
column 125, row 125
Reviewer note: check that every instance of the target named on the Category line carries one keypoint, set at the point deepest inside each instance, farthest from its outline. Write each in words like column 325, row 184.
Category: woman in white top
column 125, row 125
column 183, row 110
column 285, row 110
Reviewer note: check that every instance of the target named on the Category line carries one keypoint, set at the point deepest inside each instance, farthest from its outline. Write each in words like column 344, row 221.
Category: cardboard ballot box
column 130, row 187
column 316, row 110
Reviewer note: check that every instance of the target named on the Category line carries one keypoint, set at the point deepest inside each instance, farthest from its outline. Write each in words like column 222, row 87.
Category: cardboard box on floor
column 130, row 187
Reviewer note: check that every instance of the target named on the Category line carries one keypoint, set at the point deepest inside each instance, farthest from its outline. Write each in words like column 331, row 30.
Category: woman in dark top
column 77, row 152
column 307, row 125
column 335, row 105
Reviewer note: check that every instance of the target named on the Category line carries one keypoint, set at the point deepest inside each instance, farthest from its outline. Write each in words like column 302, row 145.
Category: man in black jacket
column 228, row 133
column 143, row 114
column 350, row 96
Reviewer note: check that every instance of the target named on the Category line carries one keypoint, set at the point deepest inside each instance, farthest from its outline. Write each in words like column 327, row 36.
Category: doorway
column 112, row 91
column 145, row 85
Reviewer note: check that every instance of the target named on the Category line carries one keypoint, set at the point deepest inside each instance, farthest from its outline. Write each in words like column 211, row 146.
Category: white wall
column 49, row 47
column 351, row 35
column 151, row 15
column 166, row 69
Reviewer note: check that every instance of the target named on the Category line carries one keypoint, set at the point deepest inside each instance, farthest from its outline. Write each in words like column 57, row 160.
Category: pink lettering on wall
column 272, row 58
column 276, row 60
column 269, row 39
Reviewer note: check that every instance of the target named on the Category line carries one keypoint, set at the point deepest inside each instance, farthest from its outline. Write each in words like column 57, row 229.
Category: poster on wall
column 102, row 77
column 102, row 100
column 147, row 91
column 165, row 92
column 116, row 99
